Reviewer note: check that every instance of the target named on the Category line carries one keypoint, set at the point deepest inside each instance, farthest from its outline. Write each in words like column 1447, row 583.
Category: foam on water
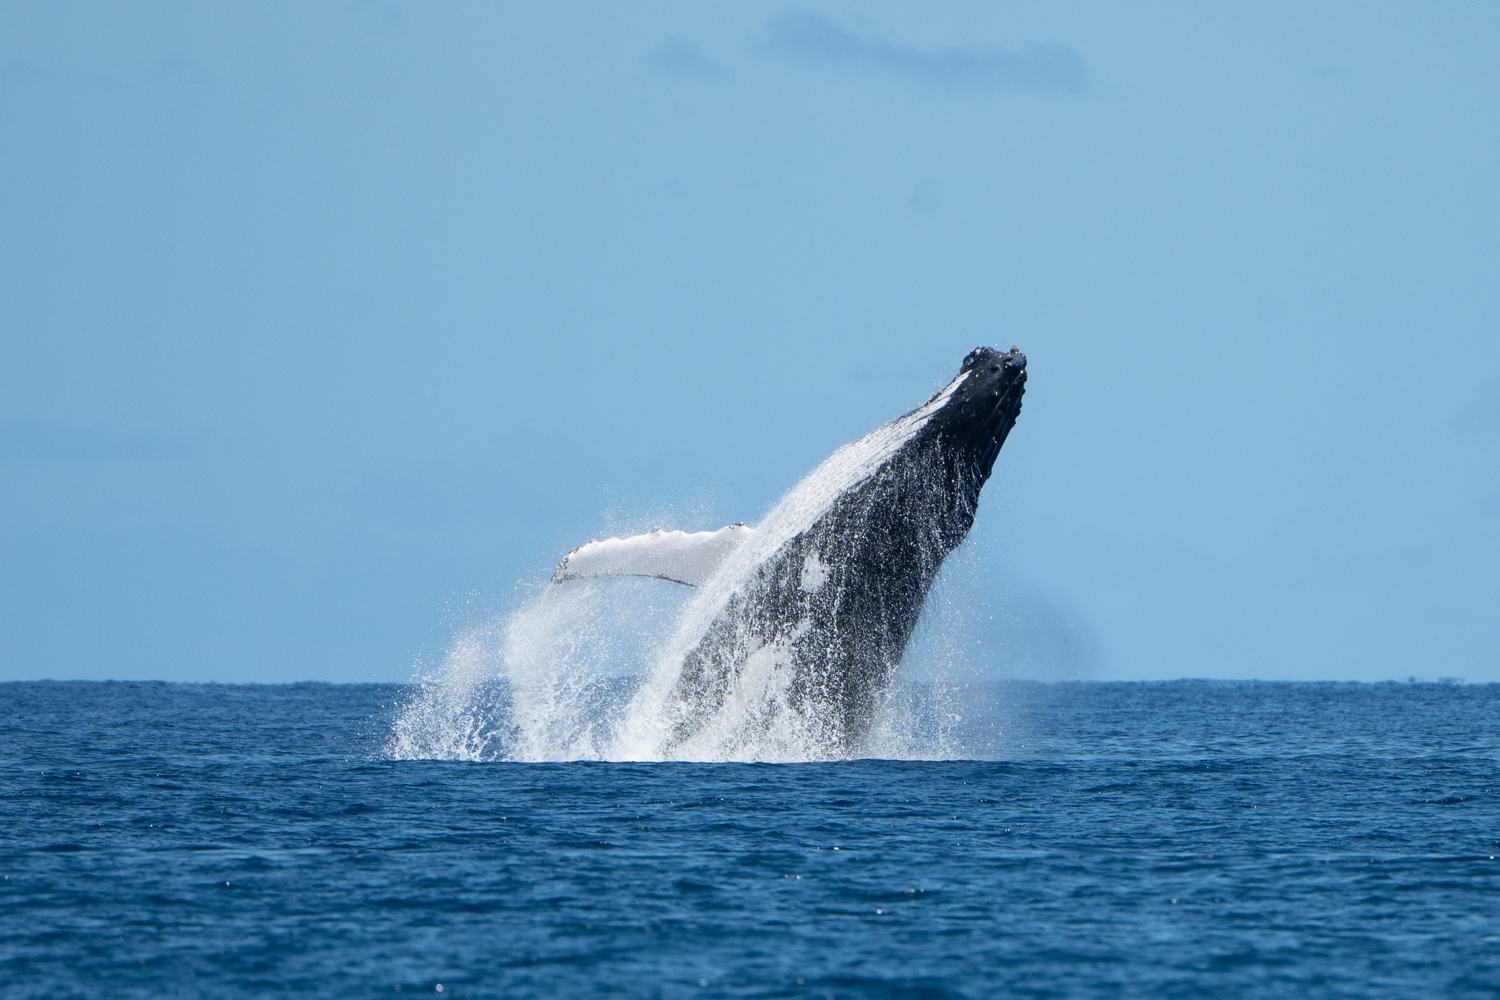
column 577, row 672
column 547, row 681
column 557, row 678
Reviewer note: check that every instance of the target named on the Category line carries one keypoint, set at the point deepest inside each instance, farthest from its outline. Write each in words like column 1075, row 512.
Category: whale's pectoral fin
column 680, row 556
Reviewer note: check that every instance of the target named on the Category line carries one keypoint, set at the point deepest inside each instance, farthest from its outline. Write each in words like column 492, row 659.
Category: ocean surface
column 1186, row 839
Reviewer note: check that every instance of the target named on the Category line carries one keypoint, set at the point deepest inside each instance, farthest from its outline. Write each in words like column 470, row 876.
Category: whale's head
column 983, row 407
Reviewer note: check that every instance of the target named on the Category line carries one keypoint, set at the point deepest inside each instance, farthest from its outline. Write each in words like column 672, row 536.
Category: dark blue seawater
column 1176, row 840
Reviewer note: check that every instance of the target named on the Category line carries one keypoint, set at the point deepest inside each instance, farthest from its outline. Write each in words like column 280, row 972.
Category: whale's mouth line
column 1006, row 402
column 988, row 437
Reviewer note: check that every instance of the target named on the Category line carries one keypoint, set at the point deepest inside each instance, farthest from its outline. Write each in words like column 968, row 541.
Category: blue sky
column 330, row 327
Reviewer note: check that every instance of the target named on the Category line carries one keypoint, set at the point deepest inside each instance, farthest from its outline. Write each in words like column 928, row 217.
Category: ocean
column 1184, row 839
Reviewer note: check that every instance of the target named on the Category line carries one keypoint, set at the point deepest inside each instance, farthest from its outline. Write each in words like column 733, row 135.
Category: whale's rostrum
column 801, row 622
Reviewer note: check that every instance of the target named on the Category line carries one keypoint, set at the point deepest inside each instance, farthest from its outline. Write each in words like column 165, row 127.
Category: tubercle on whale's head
column 989, row 361
column 983, row 408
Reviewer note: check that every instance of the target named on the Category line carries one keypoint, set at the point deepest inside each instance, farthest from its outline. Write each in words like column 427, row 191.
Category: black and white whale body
column 803, row 620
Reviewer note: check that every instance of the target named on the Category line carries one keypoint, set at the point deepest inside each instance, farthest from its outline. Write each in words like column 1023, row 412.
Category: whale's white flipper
column 680, row 556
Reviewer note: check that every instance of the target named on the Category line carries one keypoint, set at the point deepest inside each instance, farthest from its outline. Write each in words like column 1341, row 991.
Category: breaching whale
column 802, row 621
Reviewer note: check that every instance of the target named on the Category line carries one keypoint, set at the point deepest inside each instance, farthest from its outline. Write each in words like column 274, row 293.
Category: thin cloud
column 678, row 58
column 814, row 40
column 36, row 442
column 175, row 70
column 928, row 197
column 1481, row 414
column 21, row 71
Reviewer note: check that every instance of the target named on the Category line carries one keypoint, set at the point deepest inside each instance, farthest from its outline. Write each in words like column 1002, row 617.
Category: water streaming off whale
column 788, row 648
column 553, row 681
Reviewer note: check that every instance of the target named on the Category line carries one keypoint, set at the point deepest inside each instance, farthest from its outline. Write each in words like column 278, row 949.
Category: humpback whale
column 802, row 620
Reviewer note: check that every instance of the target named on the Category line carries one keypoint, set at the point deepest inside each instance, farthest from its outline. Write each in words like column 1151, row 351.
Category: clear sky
column 325, row 328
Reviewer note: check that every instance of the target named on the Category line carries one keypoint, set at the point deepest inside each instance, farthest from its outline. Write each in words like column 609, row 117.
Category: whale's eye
column 994, row 368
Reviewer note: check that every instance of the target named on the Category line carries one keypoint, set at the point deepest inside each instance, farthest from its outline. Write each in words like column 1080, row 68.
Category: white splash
column 558, row 678
column 814, row 573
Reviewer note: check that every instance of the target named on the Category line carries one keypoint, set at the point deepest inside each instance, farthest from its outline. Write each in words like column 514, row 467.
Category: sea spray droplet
column 560, row 678
column 546, row 682
column 637, row 670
